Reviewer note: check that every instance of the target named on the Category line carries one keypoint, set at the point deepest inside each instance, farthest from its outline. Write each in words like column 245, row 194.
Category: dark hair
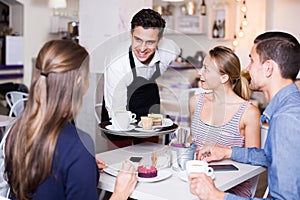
column 284, row 52
column 148, row 18
column 228, row 63
column 276, row 34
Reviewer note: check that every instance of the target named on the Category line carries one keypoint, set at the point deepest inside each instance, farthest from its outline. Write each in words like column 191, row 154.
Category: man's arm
column 212, row 152
column 116, row 80
column 284, row 147
column 253, row 156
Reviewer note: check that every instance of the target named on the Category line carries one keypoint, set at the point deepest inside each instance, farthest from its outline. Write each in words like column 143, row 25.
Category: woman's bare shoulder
column 252, row 112
column 194, row 98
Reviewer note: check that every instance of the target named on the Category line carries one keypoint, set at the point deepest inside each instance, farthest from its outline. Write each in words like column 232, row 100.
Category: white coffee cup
column 122, row 118
column 198, row 166
column 132, row 116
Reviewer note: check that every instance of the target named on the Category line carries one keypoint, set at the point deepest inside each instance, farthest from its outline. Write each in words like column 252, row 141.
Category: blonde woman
column 46, row 156
column 224, row 116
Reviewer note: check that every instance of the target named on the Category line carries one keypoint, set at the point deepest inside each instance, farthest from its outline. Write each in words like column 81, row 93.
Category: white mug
column 122, row 118
column 198, row 166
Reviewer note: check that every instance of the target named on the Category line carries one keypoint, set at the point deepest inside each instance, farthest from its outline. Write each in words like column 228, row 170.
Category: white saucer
column 132, row 121
column 110, row 127
column 146, row 131
column 183, row 176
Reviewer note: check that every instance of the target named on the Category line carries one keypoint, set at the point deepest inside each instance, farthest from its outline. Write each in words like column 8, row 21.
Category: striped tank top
column 227, row 134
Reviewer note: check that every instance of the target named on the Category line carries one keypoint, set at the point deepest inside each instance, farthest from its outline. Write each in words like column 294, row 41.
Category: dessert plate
column 182, row 175
column 110, row 127
column 161, row 174
column 165, row 123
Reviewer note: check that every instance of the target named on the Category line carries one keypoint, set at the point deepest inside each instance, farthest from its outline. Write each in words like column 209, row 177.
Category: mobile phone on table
column 224, row 167
column 135, row 159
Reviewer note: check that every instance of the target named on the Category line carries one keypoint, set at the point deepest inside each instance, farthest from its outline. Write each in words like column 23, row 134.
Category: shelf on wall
column 11, row 75
column 224, row 17
column 186, row 24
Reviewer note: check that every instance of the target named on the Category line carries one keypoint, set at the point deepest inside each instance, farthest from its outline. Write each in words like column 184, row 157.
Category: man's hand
column 203, row 187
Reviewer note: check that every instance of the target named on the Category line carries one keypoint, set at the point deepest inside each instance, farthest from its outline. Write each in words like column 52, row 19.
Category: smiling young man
column 130, row 78
column 274, row 65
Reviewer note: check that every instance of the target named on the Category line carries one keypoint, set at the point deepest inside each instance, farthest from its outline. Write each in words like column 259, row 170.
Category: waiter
column 131, row 72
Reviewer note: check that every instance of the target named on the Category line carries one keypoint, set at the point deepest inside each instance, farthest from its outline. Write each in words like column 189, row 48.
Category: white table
column 173, row 187
column 5, row 120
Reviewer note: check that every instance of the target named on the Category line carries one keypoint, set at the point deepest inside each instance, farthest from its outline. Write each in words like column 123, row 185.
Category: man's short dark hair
column 276, row 34
column 284, row 52
column 148, row 18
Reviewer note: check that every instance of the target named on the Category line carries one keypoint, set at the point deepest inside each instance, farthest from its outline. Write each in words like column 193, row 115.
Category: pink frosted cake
column 147, row 171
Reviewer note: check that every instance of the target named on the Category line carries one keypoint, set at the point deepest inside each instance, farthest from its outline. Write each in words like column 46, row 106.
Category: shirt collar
column 154, row 60
column 276, row 102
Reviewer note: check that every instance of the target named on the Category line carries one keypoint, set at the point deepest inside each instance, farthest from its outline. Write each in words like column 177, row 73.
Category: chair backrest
column 264, row 134
column 16, row 101
column 254, row 180
column 171, row 108
column 254, row 183
column 99, row 97
column 297, row 82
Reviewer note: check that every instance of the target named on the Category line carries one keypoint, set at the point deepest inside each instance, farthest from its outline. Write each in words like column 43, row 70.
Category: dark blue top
column 74, row 173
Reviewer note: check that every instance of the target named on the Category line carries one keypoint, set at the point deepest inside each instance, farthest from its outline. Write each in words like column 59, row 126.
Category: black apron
column 142, row 96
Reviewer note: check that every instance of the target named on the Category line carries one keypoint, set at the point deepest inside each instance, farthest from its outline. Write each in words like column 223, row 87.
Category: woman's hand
column 126, row 181
column 101, row 164
column 212, row 151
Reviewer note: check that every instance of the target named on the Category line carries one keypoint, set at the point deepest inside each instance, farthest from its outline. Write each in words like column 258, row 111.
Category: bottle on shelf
column 223, row 26
column 221, row 29
column 4, row 15
column 203, row 8
column 215, row 30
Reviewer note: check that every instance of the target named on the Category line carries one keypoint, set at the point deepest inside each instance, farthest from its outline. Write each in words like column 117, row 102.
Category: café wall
column 36, row 23
column 276, row 14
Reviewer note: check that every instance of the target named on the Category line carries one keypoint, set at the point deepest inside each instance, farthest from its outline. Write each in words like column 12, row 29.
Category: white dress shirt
column 118, row 74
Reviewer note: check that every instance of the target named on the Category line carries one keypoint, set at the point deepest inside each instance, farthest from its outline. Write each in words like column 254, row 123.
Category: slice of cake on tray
column 157, row 119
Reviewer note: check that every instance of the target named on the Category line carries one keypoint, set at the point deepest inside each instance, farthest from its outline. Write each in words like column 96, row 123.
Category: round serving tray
column 136, row 133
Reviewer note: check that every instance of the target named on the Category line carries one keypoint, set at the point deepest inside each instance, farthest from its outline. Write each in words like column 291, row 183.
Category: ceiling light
column 245, row 21
column 173, row 0
column 235, row 42
column 57, row 4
